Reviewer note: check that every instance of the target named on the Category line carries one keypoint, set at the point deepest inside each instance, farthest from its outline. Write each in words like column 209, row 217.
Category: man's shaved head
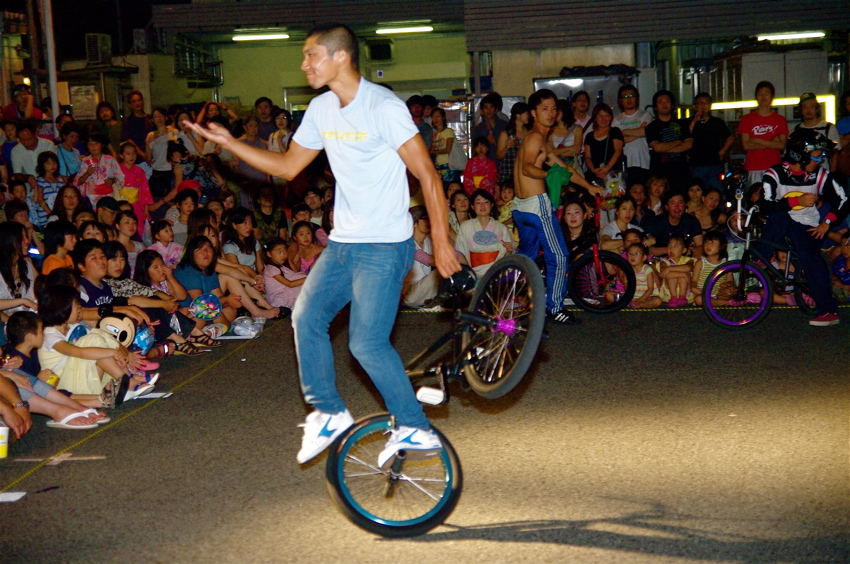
column 335, row 37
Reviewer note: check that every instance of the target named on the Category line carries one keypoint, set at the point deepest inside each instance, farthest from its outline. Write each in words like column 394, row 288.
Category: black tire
column 802, row 293
column 511, row 291
column 421, row 497
column 743, row 306
column 595, row 292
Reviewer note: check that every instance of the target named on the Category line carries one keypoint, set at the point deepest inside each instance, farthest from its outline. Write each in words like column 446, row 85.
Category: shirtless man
column 533, row 213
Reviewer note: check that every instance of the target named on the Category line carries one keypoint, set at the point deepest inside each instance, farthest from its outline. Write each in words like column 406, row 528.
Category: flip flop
column 141, row 390
column 64, row 423
column 92, row 411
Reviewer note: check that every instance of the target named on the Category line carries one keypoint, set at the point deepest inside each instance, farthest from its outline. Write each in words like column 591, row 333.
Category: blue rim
column 343, row 454
column 723, row 272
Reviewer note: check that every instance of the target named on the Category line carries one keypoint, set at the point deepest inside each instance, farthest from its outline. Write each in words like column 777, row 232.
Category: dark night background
column 73, row 19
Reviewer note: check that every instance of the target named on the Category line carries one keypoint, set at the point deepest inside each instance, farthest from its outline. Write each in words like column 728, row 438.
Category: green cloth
column 556, row 179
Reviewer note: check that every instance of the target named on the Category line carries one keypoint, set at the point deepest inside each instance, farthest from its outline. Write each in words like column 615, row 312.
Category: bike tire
column 801, row 292
column 511, row 291
column 745, row 306
column 587, row 287
column 424, row 494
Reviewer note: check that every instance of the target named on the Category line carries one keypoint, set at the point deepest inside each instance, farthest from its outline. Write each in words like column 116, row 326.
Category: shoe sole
column 823, row 323
column 331, row 439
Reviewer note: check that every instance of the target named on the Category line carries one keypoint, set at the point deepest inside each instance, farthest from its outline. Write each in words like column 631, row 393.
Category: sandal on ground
column 204, row 340
column 187, row 349
column 107, row 397
column 65, row 423
column 93, row 412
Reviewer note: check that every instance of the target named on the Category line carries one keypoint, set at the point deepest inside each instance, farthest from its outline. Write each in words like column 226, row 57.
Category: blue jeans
column 370, row 276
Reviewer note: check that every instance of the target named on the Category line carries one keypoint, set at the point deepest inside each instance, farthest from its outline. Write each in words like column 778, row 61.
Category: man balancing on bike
column 790, row 191
column 371, row 141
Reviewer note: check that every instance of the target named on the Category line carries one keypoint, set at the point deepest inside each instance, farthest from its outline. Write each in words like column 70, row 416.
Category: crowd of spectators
column 134, row 219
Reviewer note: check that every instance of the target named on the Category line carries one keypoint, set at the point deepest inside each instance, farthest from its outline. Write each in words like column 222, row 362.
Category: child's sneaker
column 417, row 443
column 320, row 431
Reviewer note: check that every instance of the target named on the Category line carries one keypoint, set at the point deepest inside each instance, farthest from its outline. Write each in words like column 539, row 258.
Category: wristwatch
column 22, row 404
column 827, row 221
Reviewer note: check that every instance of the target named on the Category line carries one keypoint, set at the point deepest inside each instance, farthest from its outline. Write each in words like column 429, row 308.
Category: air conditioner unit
column 98, row 49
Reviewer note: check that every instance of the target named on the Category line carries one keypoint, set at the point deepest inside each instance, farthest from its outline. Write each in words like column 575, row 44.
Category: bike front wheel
column 404, row 503
column 737, row 295
column 511, row 292
column 605, row 285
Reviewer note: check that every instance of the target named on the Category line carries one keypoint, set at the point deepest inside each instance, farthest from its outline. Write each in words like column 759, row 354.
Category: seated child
column 647, row 294
column 163, row 236
column 60, row 237
column 785, row 296
column 304, row 250
column 713, row 255
column 283, row 285
column 95, row 363
column 675, row 274
column 26, row 333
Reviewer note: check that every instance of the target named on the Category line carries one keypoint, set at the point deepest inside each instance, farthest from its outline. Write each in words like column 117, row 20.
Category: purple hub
column 506, row 326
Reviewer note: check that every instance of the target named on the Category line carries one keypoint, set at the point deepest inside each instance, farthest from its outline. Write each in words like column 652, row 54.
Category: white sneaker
column 417, row 443
column 320, row 431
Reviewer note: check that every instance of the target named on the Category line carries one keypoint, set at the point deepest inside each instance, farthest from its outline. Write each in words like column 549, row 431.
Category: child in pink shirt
column 481, row 171
column 163, row 236
column 135, row 189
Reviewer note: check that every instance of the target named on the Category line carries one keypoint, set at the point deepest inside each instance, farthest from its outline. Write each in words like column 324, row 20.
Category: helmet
column 803, row 142
column 119, row 326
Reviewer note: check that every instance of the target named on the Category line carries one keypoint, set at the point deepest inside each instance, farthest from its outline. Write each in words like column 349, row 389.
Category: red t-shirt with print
column 767, row 128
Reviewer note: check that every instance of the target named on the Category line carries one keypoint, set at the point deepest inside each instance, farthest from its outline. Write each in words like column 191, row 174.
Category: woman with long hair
column 69, row 202
column 441, row 147
column 509, row 140
column 603, row 146
column 17, row 274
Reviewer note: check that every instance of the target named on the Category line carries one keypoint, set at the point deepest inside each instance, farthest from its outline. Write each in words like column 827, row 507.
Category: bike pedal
column 430, row 396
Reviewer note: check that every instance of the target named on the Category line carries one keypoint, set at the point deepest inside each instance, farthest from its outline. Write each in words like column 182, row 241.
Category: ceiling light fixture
column 418, row 29
column 260, row 36
column 792, row 35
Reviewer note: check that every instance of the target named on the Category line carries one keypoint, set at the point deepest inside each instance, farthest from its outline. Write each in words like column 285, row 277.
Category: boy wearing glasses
column 632, row 120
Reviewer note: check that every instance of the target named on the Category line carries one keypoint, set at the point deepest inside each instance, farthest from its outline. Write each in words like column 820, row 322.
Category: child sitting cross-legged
column 647, row 295
column 26, row 334
column 714, row 254
column 675, row 272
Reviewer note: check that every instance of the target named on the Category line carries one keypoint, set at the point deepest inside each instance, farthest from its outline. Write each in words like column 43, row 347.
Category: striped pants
column 538, row 226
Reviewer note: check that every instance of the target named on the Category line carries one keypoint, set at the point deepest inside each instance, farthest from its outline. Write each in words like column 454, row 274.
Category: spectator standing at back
column 670, row 141
column 632, row 122
column 491, row 124
column 416, row 107
column 24, row 105
column 263, row 111
column 581, row 109
column 712, row 141
column 763, row 134
column 137, row 124
column 811, row 114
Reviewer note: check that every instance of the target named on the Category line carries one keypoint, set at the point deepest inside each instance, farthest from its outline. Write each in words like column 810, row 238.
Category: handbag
column 457, row 157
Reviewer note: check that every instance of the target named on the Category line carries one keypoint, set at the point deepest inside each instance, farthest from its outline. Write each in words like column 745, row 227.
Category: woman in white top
column 483, row 240
column 17, row 274
column 611, row 237
column 567, row 135
column 441, row 148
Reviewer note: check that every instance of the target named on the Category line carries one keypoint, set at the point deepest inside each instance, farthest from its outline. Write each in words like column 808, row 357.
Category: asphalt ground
column 636, row 437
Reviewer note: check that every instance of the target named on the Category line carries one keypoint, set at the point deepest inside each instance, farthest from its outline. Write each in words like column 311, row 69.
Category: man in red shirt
column 763, row 134
column 23, row 106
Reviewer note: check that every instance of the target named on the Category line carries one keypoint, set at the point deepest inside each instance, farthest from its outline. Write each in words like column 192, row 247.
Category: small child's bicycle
column 739, row 293
column 493, row 343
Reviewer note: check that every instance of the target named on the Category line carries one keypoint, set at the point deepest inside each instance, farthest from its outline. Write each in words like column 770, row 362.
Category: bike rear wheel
column 743, row 303
column 410, row 502
column 513, row 293
column 604, row 287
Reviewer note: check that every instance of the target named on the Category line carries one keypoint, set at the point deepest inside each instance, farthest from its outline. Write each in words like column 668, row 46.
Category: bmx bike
column 493, row 342
column 739, row 293
column 600, row 281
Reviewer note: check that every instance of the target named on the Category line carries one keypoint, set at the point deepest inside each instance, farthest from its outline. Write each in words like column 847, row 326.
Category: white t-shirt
column 614, row 232
column 832, row 135
column 637, row 151
column 24, row 161
column 362, row 141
